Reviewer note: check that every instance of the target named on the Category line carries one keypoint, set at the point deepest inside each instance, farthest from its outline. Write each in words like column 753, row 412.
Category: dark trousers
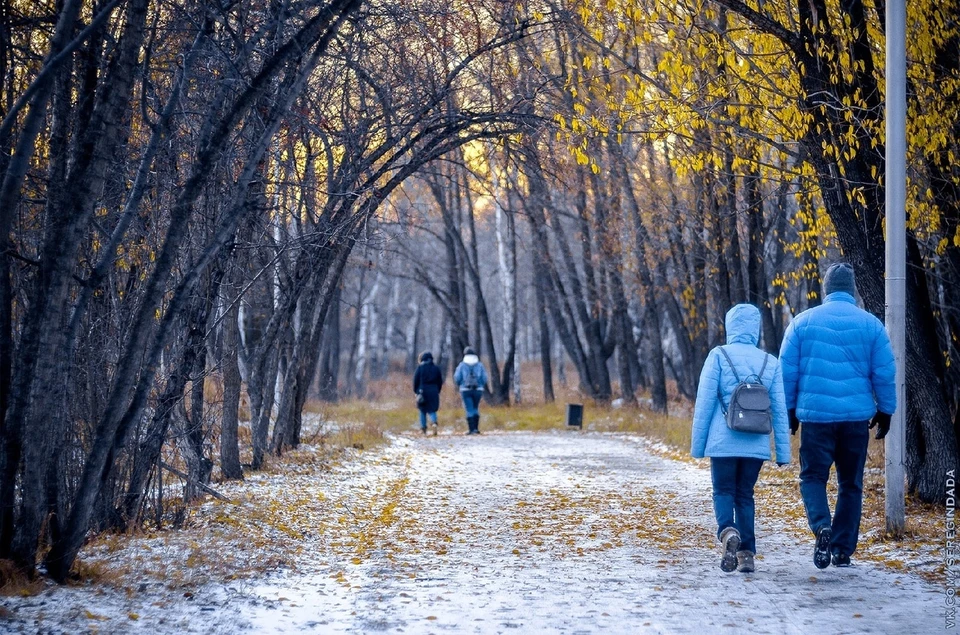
column 471, row 401
column 733, row 481
column 842, row 444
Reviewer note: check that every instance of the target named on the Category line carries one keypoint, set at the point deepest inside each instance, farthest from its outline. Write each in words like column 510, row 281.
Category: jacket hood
column 743, row 325
column 470, row 359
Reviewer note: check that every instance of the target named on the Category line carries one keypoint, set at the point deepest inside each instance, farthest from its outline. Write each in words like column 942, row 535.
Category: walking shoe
column 730, row 539
column 474, row 423
column 436, row 428
column 745, row 562
column 821, row 552
column 424, row 430
column 841, row 560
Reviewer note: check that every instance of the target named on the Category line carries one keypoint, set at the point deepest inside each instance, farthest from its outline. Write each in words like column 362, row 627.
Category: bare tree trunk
column 413, row 335
column 330, row 358
column 594, row 323
column 261, row 425
column 546, row 346
column 658, row 379
column 389, row 325
column 730, row 229
column 758, row 292
column 612, row 254
column 779, row 224
column 330, row 276
column 355, row 340
column 507, row 255
column 565, row 316
column 455, row 302
column 232, row 385
column 48, row 321
column 147, row 457
column 363, row 338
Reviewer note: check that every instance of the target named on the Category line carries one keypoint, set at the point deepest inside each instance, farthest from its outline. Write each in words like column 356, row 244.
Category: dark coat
column 428, row 379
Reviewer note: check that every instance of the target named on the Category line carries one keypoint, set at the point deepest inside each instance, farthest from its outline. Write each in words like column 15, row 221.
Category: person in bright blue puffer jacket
column 839, row 381
column 736, row 457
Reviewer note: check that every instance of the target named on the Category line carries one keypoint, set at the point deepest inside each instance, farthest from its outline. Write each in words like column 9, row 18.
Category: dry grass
column 388, row 404
column 13, row 582
column 398, row 416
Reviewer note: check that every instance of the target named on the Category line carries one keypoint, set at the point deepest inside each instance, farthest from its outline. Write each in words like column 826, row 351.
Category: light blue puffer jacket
column 711, row 436
column 838, row 363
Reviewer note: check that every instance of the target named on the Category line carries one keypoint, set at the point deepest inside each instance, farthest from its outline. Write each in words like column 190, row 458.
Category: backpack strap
column 723, row 407
column 730, row 361
column 762, row 368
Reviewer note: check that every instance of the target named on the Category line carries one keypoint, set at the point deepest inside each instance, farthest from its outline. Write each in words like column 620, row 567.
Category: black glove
column 794, row 422
column 882, row 421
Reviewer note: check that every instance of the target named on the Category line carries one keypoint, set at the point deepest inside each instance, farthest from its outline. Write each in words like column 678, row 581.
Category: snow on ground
column 503, row 533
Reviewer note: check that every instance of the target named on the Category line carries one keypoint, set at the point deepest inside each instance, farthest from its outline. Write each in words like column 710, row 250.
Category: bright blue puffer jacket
column 838, row 363
column 710, row 435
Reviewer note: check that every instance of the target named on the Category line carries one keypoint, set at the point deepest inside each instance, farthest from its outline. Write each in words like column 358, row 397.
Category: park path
column 561, row 532
column 574, row 533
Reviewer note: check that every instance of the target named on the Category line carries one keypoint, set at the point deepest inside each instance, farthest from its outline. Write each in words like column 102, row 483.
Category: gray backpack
column 470, row 377
column 749, row 409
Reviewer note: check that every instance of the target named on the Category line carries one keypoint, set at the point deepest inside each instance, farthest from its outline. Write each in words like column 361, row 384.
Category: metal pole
column 896, row 251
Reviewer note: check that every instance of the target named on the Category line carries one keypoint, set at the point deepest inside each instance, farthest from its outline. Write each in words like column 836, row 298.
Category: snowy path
column 516, row 533
column 567, row 533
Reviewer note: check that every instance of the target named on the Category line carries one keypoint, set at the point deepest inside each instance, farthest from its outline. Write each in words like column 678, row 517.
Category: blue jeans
column 423, row 419
column 733, row 481
column 842, row 444
column 471, row 401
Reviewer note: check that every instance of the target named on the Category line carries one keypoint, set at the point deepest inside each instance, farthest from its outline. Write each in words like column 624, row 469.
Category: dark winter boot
column 474, row 423
column 821, row 552
column 469, row 425
column 840, row 560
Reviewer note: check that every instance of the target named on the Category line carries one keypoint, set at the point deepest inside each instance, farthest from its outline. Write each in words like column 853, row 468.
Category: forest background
column 214, row 214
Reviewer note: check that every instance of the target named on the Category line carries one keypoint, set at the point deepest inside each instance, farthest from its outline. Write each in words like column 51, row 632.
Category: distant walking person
column 736, row 456
column 839, row 381
column 471, row 377
column 427, row 384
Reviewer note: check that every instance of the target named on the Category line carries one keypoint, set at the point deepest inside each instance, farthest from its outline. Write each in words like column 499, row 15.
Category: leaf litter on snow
column 310, row 502
column 380, row 539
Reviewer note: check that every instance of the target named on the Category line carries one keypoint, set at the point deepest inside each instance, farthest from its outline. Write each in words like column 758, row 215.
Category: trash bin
column 575, row 415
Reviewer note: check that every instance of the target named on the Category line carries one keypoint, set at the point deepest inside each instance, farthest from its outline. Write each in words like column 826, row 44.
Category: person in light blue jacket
column 736, row 457
column 471, row 378
column 839, row 379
